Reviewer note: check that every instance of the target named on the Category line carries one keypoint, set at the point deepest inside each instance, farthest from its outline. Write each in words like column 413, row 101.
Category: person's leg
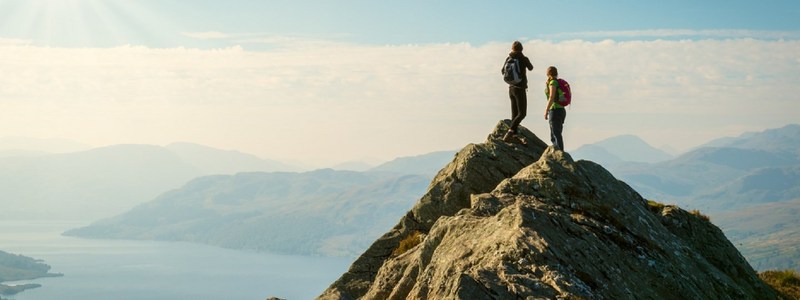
column 557, row 117
column 562, row 119
column 520, row 109
column 551, row 119
column 513, row 96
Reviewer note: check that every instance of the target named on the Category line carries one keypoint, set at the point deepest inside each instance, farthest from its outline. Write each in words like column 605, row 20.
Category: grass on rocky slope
column 407, row 243
column 786, row 283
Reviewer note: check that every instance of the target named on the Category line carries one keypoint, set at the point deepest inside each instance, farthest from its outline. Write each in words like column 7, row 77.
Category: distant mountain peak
column 621, row 148
column 783, row 139
column 424, row 164
column 216, row 161
column 511, row 221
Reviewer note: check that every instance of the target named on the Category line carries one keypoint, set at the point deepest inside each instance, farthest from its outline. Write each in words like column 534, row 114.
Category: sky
column 326, row 82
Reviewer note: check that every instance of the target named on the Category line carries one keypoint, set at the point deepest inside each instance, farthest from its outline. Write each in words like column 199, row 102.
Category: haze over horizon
column 329, row 82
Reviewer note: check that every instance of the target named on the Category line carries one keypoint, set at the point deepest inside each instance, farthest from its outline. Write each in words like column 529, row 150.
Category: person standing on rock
column 513, row 71
column 554, row 112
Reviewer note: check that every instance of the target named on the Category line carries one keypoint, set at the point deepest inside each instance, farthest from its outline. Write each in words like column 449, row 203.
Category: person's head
column 516, row 46
column 552, row 73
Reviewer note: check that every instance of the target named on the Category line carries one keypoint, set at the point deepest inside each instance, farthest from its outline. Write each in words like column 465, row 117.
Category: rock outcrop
column 512, row 221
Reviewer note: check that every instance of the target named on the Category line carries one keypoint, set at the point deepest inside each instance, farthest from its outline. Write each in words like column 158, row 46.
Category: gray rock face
column 510, row 221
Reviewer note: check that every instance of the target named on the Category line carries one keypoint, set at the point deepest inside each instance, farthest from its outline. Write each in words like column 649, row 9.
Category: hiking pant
column 557, row 117
column 519, row 106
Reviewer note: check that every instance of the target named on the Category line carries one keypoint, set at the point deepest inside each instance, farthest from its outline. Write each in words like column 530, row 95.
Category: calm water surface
column 122, row 270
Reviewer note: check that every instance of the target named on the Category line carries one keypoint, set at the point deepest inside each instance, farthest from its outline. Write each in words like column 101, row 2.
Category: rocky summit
column 524, row 221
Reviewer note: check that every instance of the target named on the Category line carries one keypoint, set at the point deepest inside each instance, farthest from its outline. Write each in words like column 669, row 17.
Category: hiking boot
column 509, row 137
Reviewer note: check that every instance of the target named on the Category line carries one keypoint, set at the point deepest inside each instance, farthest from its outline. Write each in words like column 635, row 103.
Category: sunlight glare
column 82, row 23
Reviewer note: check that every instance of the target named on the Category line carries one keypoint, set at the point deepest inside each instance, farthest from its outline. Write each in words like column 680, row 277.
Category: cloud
column 5, row 42
column 681, row 33
column 290, row 42
column 207, row 35
column 337, row 102
column 271, row 40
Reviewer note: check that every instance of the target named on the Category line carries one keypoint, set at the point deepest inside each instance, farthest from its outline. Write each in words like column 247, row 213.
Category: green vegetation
column 655, row 206
column 786, row 283
column 698, row 214
column 19, row 267
column 413, row 239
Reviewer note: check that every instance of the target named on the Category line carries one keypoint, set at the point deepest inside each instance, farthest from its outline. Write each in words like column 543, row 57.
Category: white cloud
column 207, row 35
column 6, row 42
column 338, row 102
column 275, row 41
column 682, row 33
column 288, row 42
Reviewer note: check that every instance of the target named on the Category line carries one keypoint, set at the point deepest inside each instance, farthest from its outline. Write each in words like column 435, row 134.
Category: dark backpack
column 511, row 71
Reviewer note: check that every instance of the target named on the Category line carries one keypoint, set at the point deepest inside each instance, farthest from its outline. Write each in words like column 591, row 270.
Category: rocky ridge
column 512, row 221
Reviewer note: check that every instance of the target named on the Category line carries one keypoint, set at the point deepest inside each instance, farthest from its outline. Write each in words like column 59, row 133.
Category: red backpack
column 564, row 86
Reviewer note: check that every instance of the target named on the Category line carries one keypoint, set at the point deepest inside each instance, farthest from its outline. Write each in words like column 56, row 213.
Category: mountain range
column 753, row 174
column 619, row 149
column 731, row 176
column 322, row 212
column 716, row 180
column 425, row 164
column 97, row 183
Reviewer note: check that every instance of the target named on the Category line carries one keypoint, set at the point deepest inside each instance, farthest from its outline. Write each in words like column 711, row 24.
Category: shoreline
column 17, row 270
column 9, row 288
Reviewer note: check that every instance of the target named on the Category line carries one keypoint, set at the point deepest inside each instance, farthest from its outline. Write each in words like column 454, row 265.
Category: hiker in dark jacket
column 517, row 92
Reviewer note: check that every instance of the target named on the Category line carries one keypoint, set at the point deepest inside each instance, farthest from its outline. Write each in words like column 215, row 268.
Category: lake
column 141, row 270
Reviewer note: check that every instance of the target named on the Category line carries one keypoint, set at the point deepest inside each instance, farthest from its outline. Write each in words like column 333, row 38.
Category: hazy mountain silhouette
column 766, row 234
column 784, row 139
column 214, row 161
column 89, row 184
column 706, row 170
column 323, row 212
column 623, row 148
column 737, row 175
column 97, row 183
column 425, row 164
column 358, row 166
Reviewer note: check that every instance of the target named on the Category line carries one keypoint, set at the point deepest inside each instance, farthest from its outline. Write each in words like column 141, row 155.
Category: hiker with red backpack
column 558, row 95
column 514, row 74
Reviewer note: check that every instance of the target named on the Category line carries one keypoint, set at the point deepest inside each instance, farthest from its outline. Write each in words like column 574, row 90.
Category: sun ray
column 85, row 23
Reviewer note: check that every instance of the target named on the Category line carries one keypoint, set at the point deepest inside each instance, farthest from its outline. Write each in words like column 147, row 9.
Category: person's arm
column 528, row 64
column 553, row 95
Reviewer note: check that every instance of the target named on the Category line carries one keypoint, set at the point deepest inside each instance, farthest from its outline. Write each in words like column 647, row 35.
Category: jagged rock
column 552, row 229
column 477, row 168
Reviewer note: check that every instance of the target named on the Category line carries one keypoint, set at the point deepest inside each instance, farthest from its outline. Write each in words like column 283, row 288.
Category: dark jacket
column 526, row 64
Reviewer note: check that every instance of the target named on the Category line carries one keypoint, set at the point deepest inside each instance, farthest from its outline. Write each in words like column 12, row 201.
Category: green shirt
column 560, row 94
